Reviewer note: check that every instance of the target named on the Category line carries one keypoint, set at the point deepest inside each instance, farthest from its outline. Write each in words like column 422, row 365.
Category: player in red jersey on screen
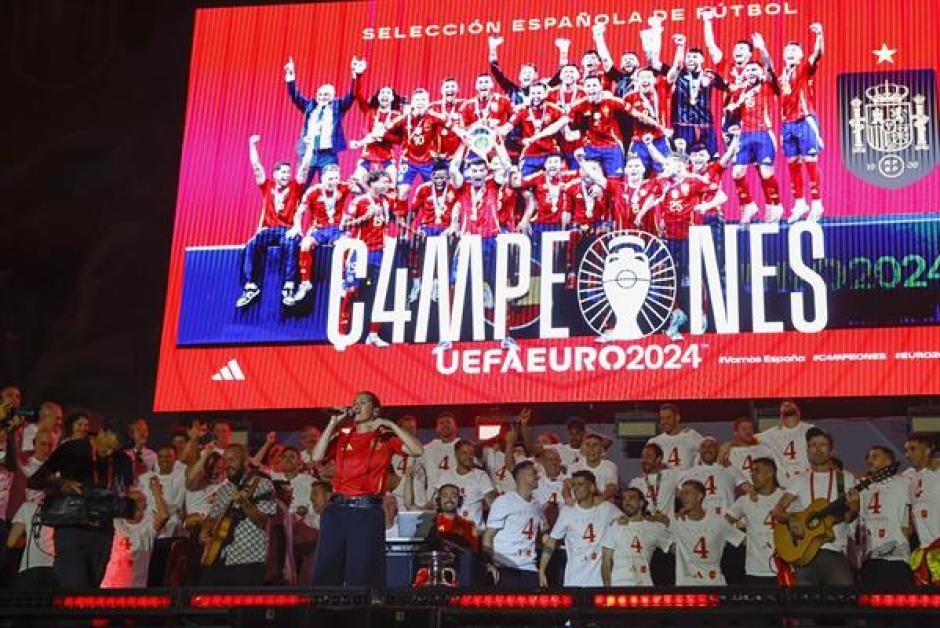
column 751, row 103
column 544, row 194
column 326, row 203
column 280, row 198
column 447, row 142
column 529, row 119
column 588, row 209
column 486, row 108
column 648, row 105
column 380, row 109
column 565, row 94
column 802, row 139
column 367, row 218
column 434, row 209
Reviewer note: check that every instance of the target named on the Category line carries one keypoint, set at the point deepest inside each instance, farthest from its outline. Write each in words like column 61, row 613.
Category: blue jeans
column 351, row 548
column 252, row 267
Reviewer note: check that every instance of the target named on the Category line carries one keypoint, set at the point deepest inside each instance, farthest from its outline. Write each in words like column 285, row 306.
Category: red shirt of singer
column 372, row 231
column 362, row 460
column 279, row 206
column 463, row 529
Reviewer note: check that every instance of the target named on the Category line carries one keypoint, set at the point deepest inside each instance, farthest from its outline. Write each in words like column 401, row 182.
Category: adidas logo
column 231, row 372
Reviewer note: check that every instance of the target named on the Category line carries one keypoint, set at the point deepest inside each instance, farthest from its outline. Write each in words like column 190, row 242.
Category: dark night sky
column 94, row 106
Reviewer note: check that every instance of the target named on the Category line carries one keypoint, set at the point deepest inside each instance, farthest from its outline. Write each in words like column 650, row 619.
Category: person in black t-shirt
column 79, row 466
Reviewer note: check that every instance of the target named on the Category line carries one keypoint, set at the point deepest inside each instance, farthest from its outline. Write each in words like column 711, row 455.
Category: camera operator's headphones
column 437, row 499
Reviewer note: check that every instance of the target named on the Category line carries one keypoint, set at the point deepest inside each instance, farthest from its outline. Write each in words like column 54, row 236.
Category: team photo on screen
column 569, row 202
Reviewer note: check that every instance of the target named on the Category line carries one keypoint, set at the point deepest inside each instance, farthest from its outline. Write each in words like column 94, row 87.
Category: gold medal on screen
column 627, row 284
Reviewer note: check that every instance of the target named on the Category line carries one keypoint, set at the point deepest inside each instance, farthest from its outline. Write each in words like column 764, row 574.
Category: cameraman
column 76, row 467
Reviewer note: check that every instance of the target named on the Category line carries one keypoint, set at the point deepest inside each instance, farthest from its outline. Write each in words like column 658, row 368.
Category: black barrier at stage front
column 361, row 608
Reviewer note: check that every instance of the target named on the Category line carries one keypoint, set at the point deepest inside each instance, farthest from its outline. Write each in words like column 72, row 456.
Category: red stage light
column 107, row 602
column 900, row 600
column 512, row 600
column 233, row 600
column 657, row 600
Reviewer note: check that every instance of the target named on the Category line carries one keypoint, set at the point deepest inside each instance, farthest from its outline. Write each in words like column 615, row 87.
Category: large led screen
column 480, row 202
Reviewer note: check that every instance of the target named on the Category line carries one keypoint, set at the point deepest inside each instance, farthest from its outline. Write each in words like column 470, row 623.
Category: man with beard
column 447, row 142
column 621, row 77
column 692, row 87
column 629, row 543
column 679, row 445
column 742, row 450
column 753, row 513
column 242, row 560
column 731, row 70
column 475, row 485
column 884, row 520
column 629, row 197
column 545, row 201
column 486, row 108
column 529, row 119
column 587, row 212
column 648, row 104
column 512, row 532
column 582, row 528
column 787, row 441
column 603, row 471
column 518, row 93
column 565, row 95
column 439, row 456
column 830, row 566
column 172, row 481
column 658, row 482
column 326, row 201
column 280, row 200
column 379, row 110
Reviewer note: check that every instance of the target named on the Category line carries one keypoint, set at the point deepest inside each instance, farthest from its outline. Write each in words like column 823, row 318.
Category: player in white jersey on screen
column 581, row 527
column 629, row 543
column 754, row 514
column 700, row 539
column 680, row 446
column 512, row 531
column 884, row 520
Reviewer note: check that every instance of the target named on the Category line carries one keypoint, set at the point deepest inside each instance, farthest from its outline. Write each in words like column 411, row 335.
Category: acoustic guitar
column 222, row 528
column 818, row 520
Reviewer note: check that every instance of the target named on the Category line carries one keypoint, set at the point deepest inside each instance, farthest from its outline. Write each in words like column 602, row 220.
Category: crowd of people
column 524, row 509
column 595, row 147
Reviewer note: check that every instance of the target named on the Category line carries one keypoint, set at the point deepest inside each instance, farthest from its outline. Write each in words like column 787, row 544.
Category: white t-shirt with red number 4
column 519, row 523
column 438, row 458
column 719, row 483
column 633, row 544
column 605, row 472
column 925, row 501
column 583, row 530
column 680, row 451
column 760, row 531
column 883, row 510
column 789, row 445
column 742, row 459
column 473, row 487
column 699, row 546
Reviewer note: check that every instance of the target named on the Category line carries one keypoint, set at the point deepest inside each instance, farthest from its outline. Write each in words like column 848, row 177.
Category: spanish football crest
column 889, row 125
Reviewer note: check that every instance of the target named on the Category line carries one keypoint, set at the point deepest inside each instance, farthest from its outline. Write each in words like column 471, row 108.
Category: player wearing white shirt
column 604, row 471
column 582, row 527
column 658, row 483
column 719, row 481
column 571, row 451
column 740, row 453
column 680, row 446
column 550, row 490
column 300, row 483
column 788, row 442
column 884, row 516
column 35, row 570
column 403, row 465
column 496, row 463
column 700, row 539
column 172, row 479
column 438, row 456
column 133, row 541
column 830, row 566
column 309, row 436
column 512, row 530
column 629, row 543
column 475, row 485
column 755, row 512
column 925, row 487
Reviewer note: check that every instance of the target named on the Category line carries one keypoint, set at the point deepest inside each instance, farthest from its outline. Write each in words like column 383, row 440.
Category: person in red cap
column 351, row 549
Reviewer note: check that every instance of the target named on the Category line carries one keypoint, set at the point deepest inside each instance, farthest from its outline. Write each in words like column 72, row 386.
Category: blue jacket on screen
column 309, row 105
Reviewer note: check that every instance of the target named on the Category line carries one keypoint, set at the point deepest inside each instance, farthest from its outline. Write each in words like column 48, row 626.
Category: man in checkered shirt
column 242, row 561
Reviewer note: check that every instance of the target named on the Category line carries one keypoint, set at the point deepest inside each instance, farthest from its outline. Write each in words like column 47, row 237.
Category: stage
column 414, row 607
